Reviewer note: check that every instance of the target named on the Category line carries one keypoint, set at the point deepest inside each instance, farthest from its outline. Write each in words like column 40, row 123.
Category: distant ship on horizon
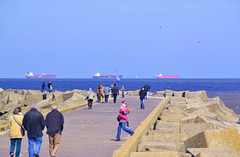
column 31, row 75
column 98, row 75
column 161, row 76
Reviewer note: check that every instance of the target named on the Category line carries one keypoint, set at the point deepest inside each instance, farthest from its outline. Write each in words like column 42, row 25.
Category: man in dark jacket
column 33, row 122
column 142, row 94
column 115, row 92
column 147, row 87
column 54, row 123
column 49, row 85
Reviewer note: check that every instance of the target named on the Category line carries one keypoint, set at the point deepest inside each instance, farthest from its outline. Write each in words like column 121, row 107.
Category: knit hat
column 123, row 105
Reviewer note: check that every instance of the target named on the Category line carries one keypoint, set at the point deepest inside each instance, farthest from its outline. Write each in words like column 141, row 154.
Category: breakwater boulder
column 192, row 125
column 11, row 98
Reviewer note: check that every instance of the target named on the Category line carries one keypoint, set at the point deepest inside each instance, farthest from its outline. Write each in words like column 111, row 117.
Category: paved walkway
column 91, row 133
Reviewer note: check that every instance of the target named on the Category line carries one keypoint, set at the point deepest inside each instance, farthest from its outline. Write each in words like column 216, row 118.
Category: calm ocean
column 227, row 89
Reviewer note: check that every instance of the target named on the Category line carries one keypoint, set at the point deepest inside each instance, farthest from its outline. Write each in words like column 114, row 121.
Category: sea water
column 227, row 89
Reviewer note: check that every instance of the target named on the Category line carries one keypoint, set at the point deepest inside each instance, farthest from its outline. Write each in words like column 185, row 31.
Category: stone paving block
column 164, row 138
column 219, row 124
column 163, row 131
column 179, row 147
column 178, row 94
column 226, row 139
column 226, row 118
column 188, row 119
column 67, row 95
column 163, row 124
column 173, row 117
column 34, row 98
column 192, row 129
column 213, row 152
column 180, row 154
column 154, row 154
column 168, row 93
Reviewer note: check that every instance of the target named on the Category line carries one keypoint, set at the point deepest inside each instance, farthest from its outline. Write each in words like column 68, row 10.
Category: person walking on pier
column 122, row 125
column 89, row 97
column 102, row 95
column 15, row 123
column 33, row 122
column 142, row 94
column 54, row 123
column 123, row 90
column 115, row 92
column 99, row 93
column 106, row 91
column 147, row 87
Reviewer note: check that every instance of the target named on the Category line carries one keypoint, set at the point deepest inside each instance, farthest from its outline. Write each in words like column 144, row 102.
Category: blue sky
column 76, row 38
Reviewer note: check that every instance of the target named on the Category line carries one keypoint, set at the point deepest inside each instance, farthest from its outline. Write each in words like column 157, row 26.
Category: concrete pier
column 91, row 132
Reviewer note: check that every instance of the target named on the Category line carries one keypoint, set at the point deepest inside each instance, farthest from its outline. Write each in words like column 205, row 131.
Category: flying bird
column 163, row 26
column 200, row 41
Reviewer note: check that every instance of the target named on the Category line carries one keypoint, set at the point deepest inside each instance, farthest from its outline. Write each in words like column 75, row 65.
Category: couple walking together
column 103, row 93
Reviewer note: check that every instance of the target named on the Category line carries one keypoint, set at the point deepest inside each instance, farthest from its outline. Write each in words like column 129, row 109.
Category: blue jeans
column 18, row 148
column 142, row 103
column 122, row 94
column 106, row 98
column 31, row 141
column 122, row 125
column 147, row 95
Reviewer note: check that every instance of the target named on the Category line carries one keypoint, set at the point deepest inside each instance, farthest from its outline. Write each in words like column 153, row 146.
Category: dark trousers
column 106, row 98
column 90, row 103
column 98, row 97
column 114, row 97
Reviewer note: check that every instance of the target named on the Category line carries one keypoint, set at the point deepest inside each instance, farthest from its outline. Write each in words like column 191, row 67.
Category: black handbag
column 22, row 129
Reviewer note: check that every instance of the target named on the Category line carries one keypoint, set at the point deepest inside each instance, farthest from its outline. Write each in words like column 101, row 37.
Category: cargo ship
column 97, row 75
column 31, row 75
column 161, row 76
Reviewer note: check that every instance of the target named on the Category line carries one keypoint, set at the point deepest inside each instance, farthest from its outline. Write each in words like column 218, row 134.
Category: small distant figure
column 123, row 90
column 102, row 95
column 122, row 125
column 147, row 88
column 43, row 87
column 142, row 94
column 54, row 122
column 50, row 90
column 49, row 84
column 111, row 89
column 200, row 41
column 15, row 123
column 99, row 93
column 34, row 123
column 89, row 97
column 106, row 91
column 115, row 92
